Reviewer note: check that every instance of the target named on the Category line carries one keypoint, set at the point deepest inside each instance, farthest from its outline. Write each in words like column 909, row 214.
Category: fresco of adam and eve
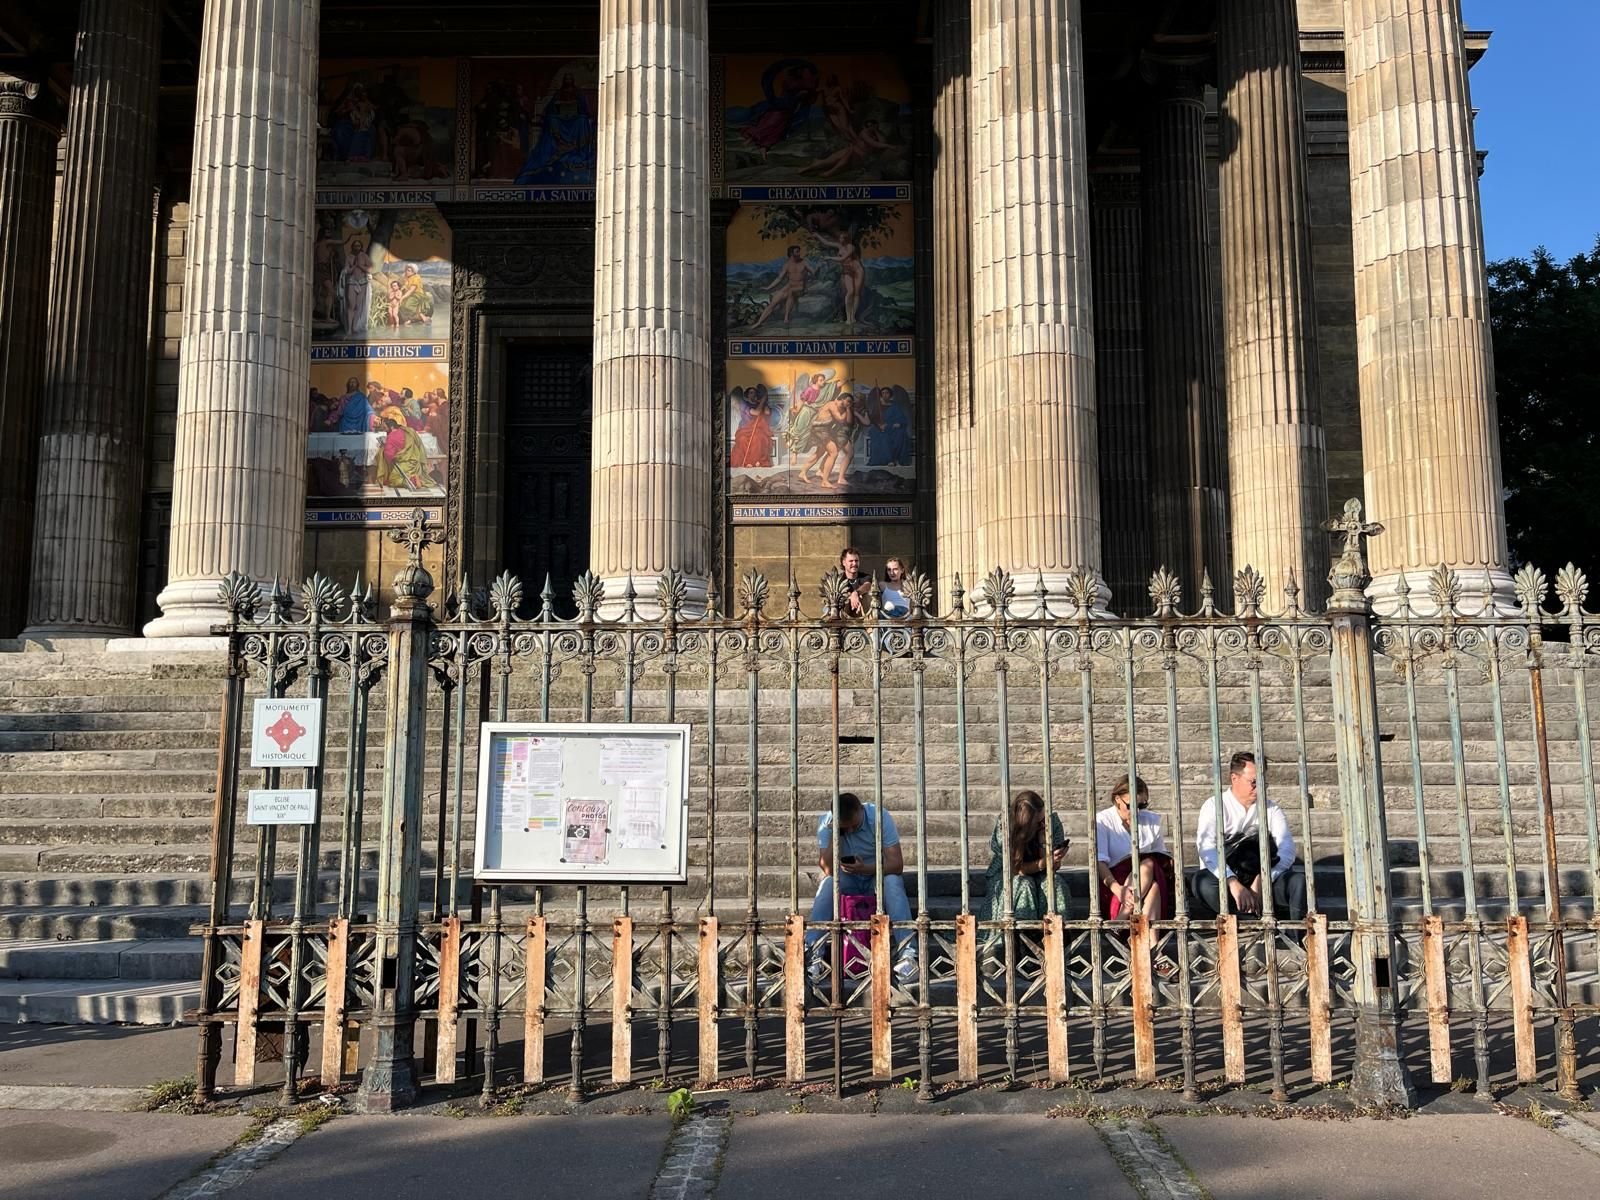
column 824, row 428
column 803, row 271
column 818, row 119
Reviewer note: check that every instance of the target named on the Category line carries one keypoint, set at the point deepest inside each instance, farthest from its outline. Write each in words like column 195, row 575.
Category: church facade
column 632, row 286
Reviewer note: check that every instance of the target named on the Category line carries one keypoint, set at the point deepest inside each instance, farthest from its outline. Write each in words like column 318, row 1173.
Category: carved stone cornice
column 541, row 257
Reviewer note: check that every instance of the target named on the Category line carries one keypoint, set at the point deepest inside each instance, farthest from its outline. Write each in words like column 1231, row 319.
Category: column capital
column 1115, row 187
column 28, row 98
column 1178, row 76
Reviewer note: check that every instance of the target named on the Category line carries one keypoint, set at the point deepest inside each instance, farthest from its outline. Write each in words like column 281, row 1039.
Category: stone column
column 1120, row 388
column 1429, row 438
column 1032, row 313
column 28, row 139
column 91, row 419
column 955, row 464
column 1277, row 458
column 238, row 488
column 1189, row 513
column 650, row 510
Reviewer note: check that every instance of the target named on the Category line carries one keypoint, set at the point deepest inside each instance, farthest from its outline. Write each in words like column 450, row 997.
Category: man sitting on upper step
column 1243, row 868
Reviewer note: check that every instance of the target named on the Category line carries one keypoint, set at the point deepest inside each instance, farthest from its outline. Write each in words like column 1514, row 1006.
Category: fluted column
column 1032, row 312
column 650, row 509
column 1277, row 456
column 1189, row 510
column 1429, row 442
column 1120, row 390
column 955, row 464
column 91, row 422
column 28, row 139
column 238, row 490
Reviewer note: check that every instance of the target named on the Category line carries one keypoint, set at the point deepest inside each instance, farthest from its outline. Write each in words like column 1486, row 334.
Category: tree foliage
column 1546, row 320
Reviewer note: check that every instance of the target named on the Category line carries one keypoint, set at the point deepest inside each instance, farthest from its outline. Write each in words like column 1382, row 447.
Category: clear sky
column 1538, row 99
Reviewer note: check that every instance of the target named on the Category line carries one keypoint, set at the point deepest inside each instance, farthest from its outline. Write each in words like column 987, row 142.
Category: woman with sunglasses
column 1121, row 895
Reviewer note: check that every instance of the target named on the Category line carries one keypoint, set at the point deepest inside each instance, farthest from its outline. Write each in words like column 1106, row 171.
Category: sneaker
column 817, row 970
column 905, row 970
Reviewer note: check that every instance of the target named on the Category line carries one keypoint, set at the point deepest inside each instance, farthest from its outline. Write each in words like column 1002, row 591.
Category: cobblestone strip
column 1155, row 1171
column 693, row 1160
column 1578, row 1133
column 233, row 1169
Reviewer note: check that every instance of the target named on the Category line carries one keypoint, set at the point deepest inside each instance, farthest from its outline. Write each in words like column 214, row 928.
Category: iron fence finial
column 412, row 581
column 1349, row 575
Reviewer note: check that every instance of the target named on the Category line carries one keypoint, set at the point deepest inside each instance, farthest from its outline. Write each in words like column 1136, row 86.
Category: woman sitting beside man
column 1120, row 895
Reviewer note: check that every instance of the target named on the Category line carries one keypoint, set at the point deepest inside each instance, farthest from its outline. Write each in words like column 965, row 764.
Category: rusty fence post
column 390, row 1079
column 1380, row 1075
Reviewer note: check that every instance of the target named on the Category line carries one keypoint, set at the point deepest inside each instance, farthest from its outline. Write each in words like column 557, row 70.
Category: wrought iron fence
column 939, row 720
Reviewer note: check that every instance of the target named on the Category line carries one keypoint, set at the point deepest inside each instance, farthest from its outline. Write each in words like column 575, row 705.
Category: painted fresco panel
column 826, row 118
column 386, row 122
column 821, row 428
column 381, row 275
column 534, row 128
column 378, row 430
column 820, row 275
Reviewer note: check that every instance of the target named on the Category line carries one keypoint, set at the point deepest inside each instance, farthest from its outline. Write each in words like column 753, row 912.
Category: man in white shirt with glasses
column 1242, row 866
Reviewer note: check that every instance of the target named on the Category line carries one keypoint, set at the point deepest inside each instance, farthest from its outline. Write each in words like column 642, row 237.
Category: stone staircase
column 108, row 766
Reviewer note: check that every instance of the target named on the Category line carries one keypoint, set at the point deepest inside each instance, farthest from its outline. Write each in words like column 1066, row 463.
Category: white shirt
column 1236, row 819
column 1113, row 842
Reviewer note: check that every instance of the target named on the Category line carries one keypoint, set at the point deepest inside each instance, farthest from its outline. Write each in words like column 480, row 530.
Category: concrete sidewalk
column 147, row 1156
column 65, row 1130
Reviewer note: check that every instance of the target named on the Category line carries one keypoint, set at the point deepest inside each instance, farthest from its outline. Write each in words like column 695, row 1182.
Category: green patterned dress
column 1027, row 891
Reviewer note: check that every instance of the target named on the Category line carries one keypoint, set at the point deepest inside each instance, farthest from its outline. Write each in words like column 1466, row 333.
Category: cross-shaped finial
column 1349, row 574
column 415, row 536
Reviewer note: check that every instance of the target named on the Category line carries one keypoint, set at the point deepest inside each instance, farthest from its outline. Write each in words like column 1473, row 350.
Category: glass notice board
column 582, row 803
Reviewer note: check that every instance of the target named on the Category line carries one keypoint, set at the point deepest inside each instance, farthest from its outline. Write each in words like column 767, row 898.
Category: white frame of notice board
column 566, row 764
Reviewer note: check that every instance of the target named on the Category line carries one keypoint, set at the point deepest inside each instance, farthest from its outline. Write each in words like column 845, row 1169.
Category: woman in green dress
column 1028, row 897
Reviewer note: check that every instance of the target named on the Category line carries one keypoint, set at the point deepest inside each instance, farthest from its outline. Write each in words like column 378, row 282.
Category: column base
column 1380, row 1077
column 1476, row 584
column 645, row 605
column 389, row 1081
column 191, row 608
column 60, row 641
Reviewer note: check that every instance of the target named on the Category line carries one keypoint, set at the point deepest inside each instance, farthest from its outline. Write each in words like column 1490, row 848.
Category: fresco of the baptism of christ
column 834, row 427
column 816, row 119
column 534, row 121
column 381, row 275
column 820, row 271
column 386, row 122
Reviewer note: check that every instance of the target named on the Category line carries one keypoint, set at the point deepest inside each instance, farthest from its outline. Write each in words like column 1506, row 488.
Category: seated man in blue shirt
column 858, row 876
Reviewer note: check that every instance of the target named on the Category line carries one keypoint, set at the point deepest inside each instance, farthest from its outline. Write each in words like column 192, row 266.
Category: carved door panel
column 547, row 465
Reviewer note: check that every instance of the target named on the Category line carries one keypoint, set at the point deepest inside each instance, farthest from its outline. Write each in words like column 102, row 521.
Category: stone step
column 96, row 1001
column 75, row 923
column 174, row 958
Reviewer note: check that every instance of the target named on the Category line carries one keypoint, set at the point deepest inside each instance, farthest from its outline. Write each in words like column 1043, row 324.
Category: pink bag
column 857, row 957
